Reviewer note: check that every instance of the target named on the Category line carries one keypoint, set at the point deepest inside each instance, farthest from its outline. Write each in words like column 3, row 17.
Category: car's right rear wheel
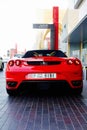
column 77, row 91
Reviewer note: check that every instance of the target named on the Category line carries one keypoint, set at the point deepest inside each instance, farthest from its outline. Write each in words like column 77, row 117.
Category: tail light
column 18, row 62
column 71, row 61
column 12, row 62
column 77, row 62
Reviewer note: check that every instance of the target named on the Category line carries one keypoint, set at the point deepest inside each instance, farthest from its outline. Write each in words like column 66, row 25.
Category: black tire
column 2, row 67
column 11, row 92
column 77, row 91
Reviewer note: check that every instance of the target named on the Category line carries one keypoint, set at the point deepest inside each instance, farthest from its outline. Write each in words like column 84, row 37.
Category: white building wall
column 83, row 9
column 71, row 19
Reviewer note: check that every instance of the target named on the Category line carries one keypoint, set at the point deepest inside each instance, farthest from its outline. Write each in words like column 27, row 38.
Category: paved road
column 46, row 112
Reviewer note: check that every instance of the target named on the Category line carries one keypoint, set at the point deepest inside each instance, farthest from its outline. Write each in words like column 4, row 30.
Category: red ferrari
column 44, row 69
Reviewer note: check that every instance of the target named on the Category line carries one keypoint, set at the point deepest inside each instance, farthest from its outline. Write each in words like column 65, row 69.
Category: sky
column 16, row 19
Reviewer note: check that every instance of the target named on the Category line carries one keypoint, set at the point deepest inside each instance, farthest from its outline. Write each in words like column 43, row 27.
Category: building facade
column 74, row 34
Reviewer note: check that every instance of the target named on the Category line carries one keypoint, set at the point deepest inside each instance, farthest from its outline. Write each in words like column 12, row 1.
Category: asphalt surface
column 42, row 112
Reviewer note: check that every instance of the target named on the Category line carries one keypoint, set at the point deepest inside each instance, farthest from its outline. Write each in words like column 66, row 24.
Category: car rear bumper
column 44, row 84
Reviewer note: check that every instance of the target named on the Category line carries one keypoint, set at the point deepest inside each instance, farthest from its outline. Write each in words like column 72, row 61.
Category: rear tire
column 2, row 67
column 11, row 92
column 78, row 91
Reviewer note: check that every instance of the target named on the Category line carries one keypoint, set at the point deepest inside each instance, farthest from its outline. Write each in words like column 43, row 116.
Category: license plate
column 41, row 75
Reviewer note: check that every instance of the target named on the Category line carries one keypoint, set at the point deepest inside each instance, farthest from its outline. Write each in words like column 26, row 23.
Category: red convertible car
column 44, row 69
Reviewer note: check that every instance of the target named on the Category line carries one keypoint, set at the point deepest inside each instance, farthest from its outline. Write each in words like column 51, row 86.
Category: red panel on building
column 56, row 25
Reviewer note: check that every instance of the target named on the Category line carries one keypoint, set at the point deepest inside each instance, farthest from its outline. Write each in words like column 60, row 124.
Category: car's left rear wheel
column 11, row 92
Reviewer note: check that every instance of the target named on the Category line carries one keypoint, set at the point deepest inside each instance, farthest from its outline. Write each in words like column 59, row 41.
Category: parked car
column 1, row 64
column 44, row 69
column 6, row 59
column 18, row 55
